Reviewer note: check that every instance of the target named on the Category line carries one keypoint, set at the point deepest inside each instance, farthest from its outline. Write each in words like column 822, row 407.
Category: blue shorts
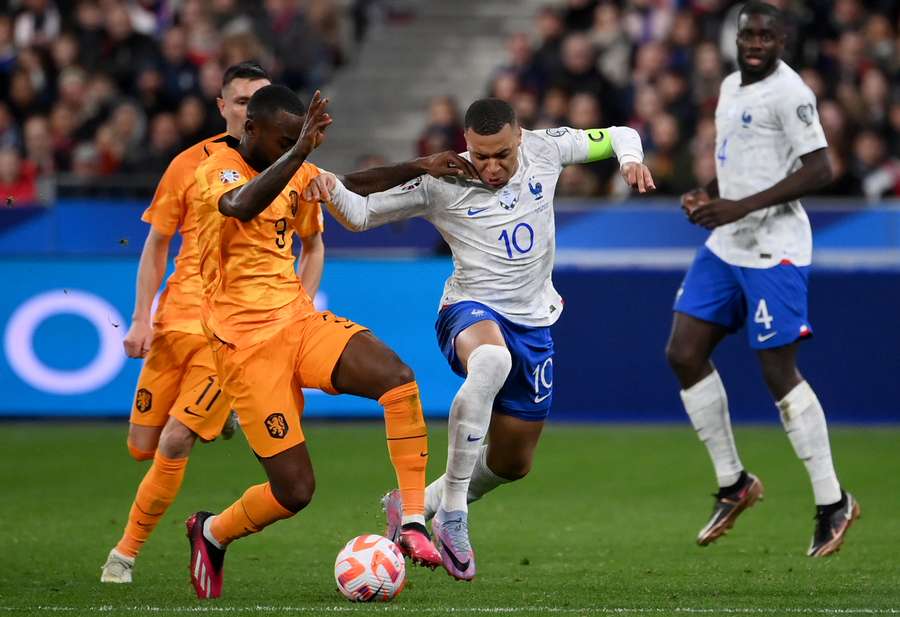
column 528, row 390
column 774, row 298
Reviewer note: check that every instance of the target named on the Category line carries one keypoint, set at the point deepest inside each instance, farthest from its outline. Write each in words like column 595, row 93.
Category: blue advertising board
column 63, row 321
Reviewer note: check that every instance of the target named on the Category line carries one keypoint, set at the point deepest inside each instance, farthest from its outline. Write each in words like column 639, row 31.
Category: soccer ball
column 370, row 568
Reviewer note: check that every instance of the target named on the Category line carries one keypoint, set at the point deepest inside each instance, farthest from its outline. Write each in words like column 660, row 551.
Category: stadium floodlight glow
column 18, row 342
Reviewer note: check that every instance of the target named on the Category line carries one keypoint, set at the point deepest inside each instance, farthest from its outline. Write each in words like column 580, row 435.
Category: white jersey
column 503, row 240
column 762, row 130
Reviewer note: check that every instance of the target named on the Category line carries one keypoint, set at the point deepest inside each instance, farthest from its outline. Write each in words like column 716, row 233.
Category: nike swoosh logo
column 456, row 562
column 763, row 339
column 470, row 438
column 474, row 211
column 188, row 411
column 538, row 399
column 423, row 454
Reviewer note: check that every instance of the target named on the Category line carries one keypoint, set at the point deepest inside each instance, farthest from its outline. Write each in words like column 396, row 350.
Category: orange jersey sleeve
column 307, row 220
column 250, row 287
column 171, row 211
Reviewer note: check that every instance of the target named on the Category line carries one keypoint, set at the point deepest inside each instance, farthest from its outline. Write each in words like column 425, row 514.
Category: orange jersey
column 250, row 287
column 171, row 210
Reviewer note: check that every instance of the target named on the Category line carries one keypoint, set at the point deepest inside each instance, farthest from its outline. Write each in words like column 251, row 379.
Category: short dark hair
column 269, row 100
column 244, row 70
column 489, row 116
column 756, row 7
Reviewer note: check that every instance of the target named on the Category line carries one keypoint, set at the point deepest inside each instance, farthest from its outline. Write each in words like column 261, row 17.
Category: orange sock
column 140, row 455
column 407, row 439
column 256, row 509
column 155, row 494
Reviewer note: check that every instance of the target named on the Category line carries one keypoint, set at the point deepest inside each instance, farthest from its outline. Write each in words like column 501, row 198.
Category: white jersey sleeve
column 796, row 109
column 359, row 213
column 585, row 146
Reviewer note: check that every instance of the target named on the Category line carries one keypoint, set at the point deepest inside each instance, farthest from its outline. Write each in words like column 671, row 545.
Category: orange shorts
column 264, row 381
column 179, row 379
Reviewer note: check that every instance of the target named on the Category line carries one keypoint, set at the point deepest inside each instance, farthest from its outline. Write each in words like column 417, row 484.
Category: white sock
column 470, row 417
column 413, row 518
column 207, row 533
column 707, row 406
column 804, row 420
column 482, row 482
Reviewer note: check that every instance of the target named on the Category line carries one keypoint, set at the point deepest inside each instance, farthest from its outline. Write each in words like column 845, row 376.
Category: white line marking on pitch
column 460, row 610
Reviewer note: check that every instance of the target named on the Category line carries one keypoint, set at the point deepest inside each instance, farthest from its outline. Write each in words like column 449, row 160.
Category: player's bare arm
column 150, row 275
column 814, row 174
column 312, row 262
column 378, row 179
column 246, row 202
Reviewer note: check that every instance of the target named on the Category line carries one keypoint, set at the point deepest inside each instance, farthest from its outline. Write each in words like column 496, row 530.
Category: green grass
column 605, row 521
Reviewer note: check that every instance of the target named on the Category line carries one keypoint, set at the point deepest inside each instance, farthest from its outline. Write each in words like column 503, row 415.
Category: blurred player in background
column 770, row 150
column 178, row 397
column 269, row 341
column 499, row 303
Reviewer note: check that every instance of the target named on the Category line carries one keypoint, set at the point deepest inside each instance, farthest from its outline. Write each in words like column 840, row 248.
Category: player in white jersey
column 770, row 150
column 498, row 304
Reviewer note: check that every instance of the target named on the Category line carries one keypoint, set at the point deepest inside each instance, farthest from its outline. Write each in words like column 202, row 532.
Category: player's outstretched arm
column 814, row 174
column 378, row 179
column 358, row 213
column 150, row 275
column 246, row 202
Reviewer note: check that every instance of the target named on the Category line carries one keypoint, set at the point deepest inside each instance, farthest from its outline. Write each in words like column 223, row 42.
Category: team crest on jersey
column 411, row 185
column 536, row 188
column 508, row 199
column 746, row 119
column 227, row 176
column 277, row 425
column 143, row 400
column 557, row 132
column 806, row 113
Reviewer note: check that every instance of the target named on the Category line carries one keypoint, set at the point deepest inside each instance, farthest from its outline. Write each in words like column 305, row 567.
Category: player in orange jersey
column 178, row 397
column 269, row 341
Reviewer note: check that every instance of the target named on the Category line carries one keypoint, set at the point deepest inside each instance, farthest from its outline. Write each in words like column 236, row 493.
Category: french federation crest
column 508, row 199
column 535, row 188
column 227, row 176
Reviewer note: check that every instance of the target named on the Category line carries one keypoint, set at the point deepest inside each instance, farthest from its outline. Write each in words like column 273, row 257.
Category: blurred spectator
column 612, row 45
column 179, row 76
column 444, row 130
column 527, row 109
column 667, row 157
column 504, row 86
column 550, row 28
column 10, row 137
column 555, row 110
column 39, row 145
column 584, row 112
column 577, row 181
column 878, row 174
column 17, row 179
column 165, row 144
column 521, row 63
column 37, row 24
column 192, row 121
column 124, row 48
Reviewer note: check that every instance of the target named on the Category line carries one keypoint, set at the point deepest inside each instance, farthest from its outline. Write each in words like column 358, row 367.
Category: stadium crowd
column 93, row 88
column 656, row 65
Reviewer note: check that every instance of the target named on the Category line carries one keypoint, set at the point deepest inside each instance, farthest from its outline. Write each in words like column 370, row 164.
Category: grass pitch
column 605, row 524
